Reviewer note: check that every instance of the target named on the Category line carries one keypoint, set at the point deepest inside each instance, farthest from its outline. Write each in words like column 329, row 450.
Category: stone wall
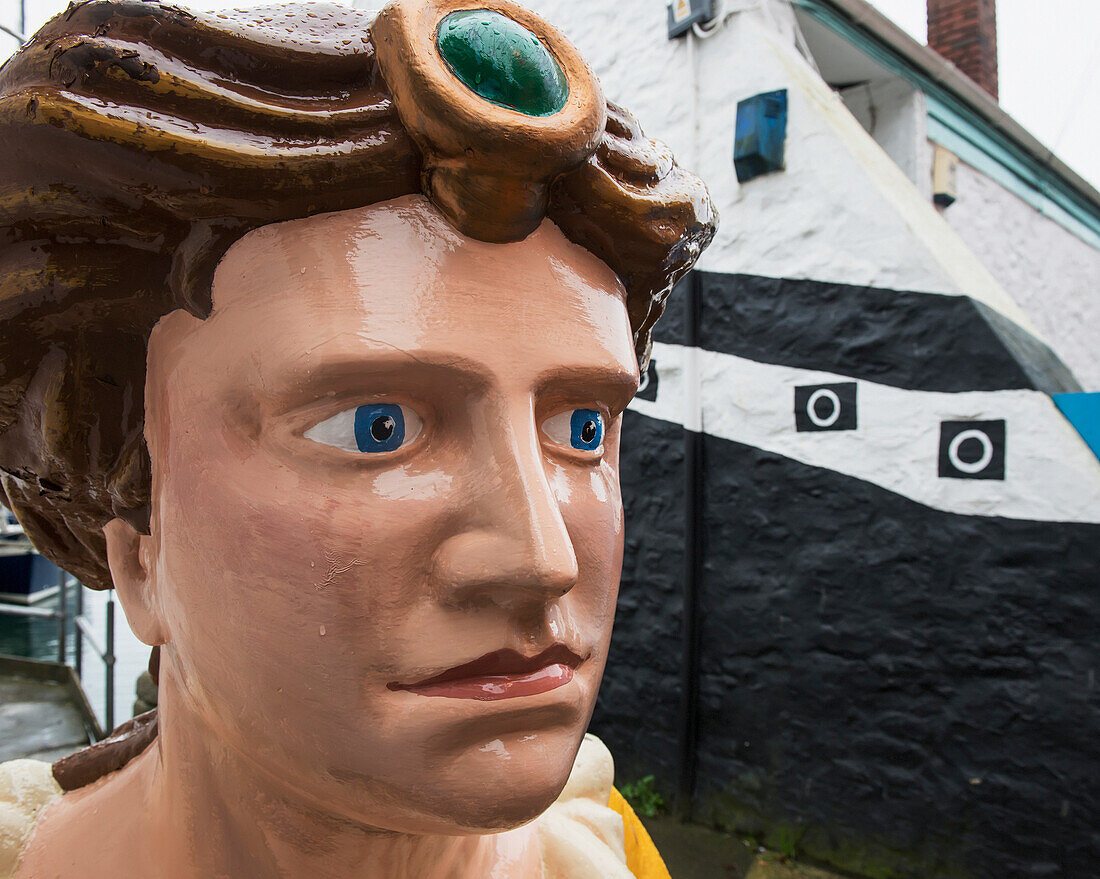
column 1053, row 274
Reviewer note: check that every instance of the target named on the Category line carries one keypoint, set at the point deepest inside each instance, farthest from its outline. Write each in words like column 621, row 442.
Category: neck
column 211, row 811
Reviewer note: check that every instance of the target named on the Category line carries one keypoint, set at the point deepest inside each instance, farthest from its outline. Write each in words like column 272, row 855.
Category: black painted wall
column 907, row 692
column 638, row 714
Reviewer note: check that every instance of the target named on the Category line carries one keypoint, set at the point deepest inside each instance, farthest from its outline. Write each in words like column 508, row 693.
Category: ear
column 130, row 558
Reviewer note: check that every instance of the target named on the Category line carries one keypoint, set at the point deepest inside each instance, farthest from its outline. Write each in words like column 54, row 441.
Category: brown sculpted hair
column 139, row 141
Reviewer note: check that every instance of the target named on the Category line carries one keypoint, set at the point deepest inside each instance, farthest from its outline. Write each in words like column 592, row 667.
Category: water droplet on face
column 321, row 630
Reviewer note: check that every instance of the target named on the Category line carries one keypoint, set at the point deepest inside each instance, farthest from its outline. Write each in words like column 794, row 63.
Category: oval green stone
column 502, row 61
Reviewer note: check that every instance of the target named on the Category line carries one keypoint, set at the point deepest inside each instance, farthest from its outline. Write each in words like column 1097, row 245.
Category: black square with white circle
column 972, row 449
column 825, row 407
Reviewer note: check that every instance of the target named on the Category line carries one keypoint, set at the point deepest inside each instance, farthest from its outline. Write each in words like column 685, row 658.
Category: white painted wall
column 1053, row 274
column 1050, row 474
column 895, row 114
column 846, row 208
column 841, row 211
column 838, row 212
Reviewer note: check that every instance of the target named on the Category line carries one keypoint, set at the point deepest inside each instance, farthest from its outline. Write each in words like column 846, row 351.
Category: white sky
column 1048, row 65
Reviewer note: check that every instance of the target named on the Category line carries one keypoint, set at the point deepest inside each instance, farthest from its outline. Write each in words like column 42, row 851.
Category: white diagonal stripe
column 1050, row 474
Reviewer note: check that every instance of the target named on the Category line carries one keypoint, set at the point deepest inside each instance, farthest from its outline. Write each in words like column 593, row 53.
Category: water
column 37, row 639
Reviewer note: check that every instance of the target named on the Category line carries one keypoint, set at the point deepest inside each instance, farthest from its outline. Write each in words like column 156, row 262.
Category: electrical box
column 682, row 14
column 945, row 164
column 760, row 135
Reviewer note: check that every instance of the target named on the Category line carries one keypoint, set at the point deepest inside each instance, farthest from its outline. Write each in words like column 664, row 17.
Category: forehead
column 396, row 278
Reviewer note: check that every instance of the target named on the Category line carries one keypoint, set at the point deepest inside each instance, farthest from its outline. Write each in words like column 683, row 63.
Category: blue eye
column 370, row 428
column 580, row 428
column 585, row 429
column 379, row 427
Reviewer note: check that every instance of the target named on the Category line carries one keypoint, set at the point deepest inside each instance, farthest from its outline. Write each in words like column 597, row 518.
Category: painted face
column 387, row 522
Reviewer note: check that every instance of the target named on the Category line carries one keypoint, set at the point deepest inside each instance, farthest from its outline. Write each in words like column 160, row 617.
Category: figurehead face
column 319, row 331
column 386, row 529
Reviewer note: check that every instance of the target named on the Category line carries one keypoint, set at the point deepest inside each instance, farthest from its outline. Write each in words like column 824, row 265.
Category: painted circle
column 811, row 412
column 970, row 466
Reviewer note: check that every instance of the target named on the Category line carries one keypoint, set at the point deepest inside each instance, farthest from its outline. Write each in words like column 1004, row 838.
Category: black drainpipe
column 689, row 667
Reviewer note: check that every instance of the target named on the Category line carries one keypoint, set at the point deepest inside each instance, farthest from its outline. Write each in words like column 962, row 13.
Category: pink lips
column 502, row 674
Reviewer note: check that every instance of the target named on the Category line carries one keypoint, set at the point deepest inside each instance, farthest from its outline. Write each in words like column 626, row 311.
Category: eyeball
column 370, row 428
column 580, row 428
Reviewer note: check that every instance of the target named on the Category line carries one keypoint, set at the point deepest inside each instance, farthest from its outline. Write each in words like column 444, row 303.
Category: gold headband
column 475, row 84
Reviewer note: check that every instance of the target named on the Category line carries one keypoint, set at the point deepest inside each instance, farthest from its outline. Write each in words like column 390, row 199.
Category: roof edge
column 863, row 16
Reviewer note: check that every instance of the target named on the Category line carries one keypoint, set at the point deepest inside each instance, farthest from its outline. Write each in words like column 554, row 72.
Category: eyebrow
column 351, row 371
column 622, row 384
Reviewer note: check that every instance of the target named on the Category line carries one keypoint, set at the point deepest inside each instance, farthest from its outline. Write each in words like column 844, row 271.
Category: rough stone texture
column 912, row 685
column 691, row 851
column 825, row 217
column 1050, row 271
column 900, row 691
column 639, row 706
column 771, row 866
column 910, row 692
column 920, row 341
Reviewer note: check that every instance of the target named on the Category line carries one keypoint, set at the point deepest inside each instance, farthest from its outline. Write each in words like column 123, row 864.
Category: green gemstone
column 502, row 61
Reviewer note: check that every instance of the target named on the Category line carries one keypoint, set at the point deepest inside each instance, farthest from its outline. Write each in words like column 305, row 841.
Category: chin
column 501, row 813
column 502, row 787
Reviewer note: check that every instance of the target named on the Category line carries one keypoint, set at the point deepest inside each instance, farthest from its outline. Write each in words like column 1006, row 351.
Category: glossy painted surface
column 140, row 141
column 456, row 94
column 502, row 61
column 291, row 581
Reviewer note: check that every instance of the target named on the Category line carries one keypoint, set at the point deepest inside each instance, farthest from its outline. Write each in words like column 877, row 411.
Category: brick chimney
column 965, row 33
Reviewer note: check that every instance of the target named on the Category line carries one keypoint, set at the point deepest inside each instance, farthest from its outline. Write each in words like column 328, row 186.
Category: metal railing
column 106, row 652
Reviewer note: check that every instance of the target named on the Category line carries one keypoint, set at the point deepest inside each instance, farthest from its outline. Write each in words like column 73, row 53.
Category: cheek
column 591, row 506
column 261, row 559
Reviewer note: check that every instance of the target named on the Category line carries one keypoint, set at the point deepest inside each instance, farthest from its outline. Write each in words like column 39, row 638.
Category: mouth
column 502, row 674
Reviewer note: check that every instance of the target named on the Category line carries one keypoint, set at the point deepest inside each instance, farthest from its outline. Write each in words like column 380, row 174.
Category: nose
column 513, row 547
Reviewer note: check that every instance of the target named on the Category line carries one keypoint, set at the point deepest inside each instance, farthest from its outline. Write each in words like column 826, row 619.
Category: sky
column 1048, row 66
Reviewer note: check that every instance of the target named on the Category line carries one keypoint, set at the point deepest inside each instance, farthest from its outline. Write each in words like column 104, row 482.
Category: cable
column 705, row 32
column 13, row 34
column 714, row 25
